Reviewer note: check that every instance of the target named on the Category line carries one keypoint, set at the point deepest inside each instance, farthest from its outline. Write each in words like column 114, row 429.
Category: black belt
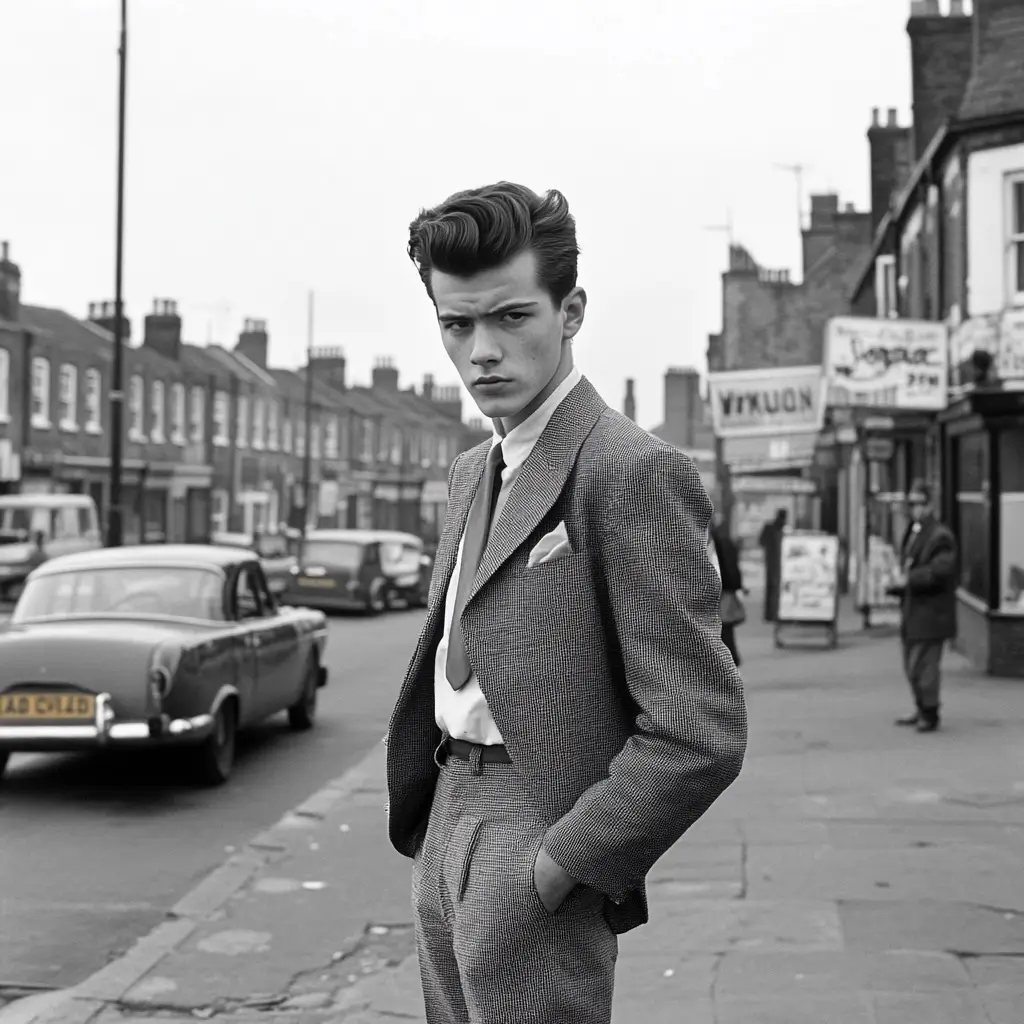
column 490, row 753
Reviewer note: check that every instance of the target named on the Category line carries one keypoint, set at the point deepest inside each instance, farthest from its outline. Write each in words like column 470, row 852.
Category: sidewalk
column 855, row 874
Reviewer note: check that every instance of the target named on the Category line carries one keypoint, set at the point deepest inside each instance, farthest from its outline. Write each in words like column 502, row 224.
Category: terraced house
column 215, row 438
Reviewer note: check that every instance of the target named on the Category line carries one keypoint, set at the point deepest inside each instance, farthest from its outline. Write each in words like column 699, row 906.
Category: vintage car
column 360, row 570
column 276, row 552
column 154, row 645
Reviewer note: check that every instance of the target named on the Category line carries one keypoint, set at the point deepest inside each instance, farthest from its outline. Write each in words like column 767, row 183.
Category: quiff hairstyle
column 483, row 228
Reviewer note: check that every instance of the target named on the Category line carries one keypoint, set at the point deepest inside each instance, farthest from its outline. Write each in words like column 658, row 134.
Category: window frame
column 136, row 408
column 221, row 418
column 287, row 435
column 1014, row 252
column 158, row 412
column 40, row 394
column 93, row 403
column 273, row 425
column 242, row 421
column 259, row 424
column 5, row 385
column 331, row 449
column 197, row 414
column 179, row 413
column 67, row 398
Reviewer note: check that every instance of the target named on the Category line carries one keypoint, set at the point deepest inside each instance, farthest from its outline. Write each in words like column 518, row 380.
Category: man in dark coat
column 771, row 541
column 928, row 604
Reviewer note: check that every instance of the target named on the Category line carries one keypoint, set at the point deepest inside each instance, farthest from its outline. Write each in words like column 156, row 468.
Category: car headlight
column 159, row 682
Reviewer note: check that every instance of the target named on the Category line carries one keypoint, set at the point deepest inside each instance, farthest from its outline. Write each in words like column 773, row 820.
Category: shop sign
column 896, row 364
column 879, row 449
column 746, row 403
column 773, row 485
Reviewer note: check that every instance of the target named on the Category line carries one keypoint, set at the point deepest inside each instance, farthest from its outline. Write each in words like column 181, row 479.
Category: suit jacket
column 928, row 601
column 604, row 670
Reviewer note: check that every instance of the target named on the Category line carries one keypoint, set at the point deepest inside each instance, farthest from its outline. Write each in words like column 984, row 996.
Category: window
column 198, row 415
column 242, row 424
column 1015, row 238
column 135, row 411
column 396, row 447
column 300, row 438
column 286, row 435
column 1011, row 520
column 259, row 423
column 972, row 508
column 221, row 412
column 429, row 449
column 157, row 396
column 93, row 397
column 40, row 393
column 67, row 397
column 885, row 286
column 314, row 439
column 366, row 449
column 953, row 238
column 331, row 438
column 5, row 385
column 219, row 512
column 443, row 453
column 178, row 414
column 273, row 426
column 912, row 270
column 414, row 449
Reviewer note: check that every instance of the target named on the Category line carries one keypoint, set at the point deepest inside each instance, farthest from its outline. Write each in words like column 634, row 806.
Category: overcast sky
column 277, row 146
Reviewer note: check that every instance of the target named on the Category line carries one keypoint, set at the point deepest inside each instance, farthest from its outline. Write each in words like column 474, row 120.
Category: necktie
column 478, row 529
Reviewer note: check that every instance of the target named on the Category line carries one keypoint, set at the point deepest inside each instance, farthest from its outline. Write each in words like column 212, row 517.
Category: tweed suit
column 604, row 670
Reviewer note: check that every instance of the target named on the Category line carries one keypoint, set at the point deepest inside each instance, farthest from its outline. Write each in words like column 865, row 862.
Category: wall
column 986, row 227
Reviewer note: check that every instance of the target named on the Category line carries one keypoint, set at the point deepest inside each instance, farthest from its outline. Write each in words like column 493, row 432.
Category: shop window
column 1015, row 238
column 972, row 512
column 1011, row 520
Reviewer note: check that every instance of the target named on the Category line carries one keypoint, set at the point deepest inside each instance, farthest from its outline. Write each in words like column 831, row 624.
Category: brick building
column 950, row 250
column 214, row 439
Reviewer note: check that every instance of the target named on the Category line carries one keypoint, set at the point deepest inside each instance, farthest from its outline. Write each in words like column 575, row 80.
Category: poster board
column 809, row 582
column 881, row 568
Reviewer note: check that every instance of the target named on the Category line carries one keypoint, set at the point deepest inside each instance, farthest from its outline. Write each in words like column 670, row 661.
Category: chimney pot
column 5, row 249
column 874, row 117
column 892, row 119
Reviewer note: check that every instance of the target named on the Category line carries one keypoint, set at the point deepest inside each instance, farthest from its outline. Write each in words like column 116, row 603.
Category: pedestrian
column 570, row 709
column 733, row 613
column 771, row 543
column 927, row 592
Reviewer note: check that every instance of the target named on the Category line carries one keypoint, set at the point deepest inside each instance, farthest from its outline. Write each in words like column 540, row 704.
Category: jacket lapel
column 541, row 478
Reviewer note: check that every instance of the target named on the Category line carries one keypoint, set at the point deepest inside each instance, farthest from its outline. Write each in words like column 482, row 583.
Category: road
column 93, row 852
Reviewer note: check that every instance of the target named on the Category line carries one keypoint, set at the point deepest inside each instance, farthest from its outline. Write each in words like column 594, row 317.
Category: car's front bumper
column 106, row 731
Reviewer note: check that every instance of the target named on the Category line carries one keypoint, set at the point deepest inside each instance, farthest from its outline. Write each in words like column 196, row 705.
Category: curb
column 83, row 1002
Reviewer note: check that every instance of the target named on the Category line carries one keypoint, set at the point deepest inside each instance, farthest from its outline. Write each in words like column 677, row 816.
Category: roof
column 997, row 84
column 58, row 324
column 139, row 555
column 237, row 364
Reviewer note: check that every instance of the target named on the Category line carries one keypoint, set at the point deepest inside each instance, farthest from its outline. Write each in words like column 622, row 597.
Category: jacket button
column 387, row 807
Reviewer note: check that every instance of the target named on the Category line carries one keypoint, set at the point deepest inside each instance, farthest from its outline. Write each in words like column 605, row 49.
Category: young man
column 570, row 709
column 928, row 596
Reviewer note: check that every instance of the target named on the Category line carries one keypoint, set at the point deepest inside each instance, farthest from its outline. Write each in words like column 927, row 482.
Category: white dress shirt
column 463, row 714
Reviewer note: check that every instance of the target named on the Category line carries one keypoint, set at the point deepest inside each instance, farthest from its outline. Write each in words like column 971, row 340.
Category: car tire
column 302, row 714
column 216, row 757
column 377, row 599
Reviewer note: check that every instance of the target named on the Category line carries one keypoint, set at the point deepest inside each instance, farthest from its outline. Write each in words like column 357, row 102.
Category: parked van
column 35, row 527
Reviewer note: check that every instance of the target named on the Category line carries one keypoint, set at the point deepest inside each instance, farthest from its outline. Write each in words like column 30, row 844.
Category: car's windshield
column 191, row 593
column 272, row 545
column 21, row 524
column 333, row 554
column 400, row 556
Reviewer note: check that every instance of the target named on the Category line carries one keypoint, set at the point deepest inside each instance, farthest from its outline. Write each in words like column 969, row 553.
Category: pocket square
column 550, row 547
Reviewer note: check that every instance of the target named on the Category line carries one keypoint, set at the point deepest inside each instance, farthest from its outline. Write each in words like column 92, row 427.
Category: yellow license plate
column 308, row 581
column 30, row 707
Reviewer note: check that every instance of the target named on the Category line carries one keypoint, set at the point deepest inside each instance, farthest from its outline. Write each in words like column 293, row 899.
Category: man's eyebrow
column 504, row 307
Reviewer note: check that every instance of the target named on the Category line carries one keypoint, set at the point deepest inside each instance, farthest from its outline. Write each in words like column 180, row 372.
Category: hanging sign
column 771, row 402
column 896, row 364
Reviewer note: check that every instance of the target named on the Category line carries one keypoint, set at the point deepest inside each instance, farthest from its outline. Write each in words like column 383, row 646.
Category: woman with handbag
column 732, row 611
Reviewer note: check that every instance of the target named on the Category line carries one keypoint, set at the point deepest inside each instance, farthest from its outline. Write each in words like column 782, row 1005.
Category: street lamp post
column 115, row 527
column 307, row 452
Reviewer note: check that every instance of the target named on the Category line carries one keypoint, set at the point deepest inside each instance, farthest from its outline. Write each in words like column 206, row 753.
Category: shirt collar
column 517, row 444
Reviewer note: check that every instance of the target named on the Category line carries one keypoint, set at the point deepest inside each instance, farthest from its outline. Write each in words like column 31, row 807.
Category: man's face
column 919, row 506
column 505, row 336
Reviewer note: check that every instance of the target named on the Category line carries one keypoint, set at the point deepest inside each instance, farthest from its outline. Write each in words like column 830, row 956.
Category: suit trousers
column 921, row 663
column 489, row 950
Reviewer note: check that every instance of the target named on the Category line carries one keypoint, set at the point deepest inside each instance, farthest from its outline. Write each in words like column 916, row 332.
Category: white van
column 35, row 527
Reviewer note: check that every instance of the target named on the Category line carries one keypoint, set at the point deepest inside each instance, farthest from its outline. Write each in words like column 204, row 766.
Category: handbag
column 732, row 611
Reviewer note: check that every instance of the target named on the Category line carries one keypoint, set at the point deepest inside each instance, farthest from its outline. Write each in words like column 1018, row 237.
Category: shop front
column 887, row 381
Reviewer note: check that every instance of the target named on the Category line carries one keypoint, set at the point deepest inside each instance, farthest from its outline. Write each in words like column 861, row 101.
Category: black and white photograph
column 512, row 513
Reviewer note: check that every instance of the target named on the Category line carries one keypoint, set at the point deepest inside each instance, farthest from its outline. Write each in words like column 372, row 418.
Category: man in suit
column 570, row 709
column 927, row 592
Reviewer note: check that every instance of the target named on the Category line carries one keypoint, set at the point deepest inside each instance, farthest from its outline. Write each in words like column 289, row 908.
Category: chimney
column 162, row 330
column 102, row 314
column 385, row 376
column 10, row 286
column 428, row 386
column 629, row 403
column 329, row 366
column 820, row 235
column 891, row 157
column 254, row 342
column 682, row 405
column 941, row 58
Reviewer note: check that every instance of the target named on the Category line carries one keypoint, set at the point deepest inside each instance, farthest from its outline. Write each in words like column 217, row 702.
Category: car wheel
column 302, row 714
column 377, row 601
column 217, row 754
